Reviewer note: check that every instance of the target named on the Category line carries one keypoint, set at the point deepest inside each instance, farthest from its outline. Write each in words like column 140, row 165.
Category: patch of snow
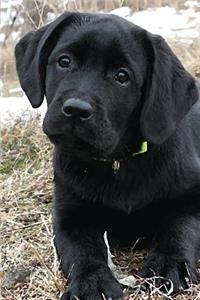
column 6, row 4
column 19, row 21
column 50, row 17
column 9, row 12
column 15, row 90
column 14, row 107
column 188, row 33
column 169, row 23
column 4, row 19
column 2, row 37
column 1, row 83
column 123, row 11
column 15, row 35
column 191, row 4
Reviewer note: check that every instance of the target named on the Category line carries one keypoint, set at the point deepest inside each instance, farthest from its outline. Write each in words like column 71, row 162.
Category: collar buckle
column 116, row 166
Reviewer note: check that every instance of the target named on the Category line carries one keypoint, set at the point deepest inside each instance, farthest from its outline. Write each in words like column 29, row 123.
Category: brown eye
column 122, row 76
column 64, row 61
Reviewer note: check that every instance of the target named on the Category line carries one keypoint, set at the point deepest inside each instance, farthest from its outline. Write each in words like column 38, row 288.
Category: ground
column 30, row 269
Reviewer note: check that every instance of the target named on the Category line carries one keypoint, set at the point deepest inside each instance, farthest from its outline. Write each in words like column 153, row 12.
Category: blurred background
column 176, row 20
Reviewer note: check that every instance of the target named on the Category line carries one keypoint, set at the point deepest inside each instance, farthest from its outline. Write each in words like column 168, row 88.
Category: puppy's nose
column 77, row 109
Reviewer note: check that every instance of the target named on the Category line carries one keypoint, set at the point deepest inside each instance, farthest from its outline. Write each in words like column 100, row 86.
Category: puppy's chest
column 126, row 192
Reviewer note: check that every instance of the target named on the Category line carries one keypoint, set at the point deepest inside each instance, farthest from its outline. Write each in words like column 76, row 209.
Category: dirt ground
column 29, row 266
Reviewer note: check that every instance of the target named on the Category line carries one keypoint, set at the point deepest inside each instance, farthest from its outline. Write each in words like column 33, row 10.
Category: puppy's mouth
column 86, row 151
column 84, row 148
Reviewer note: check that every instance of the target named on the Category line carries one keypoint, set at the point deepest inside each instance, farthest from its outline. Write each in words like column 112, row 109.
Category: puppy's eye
column 122, row 76
column 64, row 61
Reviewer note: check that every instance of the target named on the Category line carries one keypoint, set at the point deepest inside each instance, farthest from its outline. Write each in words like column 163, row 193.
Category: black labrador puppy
column 124, row 116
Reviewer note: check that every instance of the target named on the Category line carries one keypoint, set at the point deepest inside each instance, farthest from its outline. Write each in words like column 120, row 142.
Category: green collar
column 116, row 163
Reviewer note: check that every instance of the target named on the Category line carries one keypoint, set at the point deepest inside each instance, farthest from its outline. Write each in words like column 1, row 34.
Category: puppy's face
column 108, row 83
column 93, row 83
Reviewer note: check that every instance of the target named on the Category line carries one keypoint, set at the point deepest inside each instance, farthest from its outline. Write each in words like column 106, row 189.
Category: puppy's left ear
column 170, row 92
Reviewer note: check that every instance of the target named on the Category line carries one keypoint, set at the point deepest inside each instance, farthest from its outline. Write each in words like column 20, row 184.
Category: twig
column 59, row 287
column 29, row 17
column 21, row 228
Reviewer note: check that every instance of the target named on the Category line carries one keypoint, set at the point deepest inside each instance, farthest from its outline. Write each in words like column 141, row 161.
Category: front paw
column 97, row 285
column 171, row 270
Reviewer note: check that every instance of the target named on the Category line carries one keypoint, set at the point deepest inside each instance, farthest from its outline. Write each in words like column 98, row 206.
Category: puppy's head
column 108, row 83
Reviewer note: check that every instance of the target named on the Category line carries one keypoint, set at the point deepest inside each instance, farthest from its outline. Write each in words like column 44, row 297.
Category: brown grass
column 26, row 230
column 26, row 193
column 188, row 54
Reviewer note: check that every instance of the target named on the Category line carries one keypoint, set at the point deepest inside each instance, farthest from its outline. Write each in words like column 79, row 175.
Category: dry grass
column 26, row 192
column 188, row 54
column 26, row 230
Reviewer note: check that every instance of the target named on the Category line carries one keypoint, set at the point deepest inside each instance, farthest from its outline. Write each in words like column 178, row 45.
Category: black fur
column 154, row 195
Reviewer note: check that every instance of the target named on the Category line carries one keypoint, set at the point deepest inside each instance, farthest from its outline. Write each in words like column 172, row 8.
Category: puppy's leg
column 83, row 255
column 176, row 249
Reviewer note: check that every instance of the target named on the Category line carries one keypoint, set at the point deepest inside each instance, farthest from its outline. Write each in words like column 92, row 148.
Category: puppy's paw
column 96, row 286
column 172, row 272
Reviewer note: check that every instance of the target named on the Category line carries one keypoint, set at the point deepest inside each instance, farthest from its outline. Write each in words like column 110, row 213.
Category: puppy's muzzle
column 77, row 109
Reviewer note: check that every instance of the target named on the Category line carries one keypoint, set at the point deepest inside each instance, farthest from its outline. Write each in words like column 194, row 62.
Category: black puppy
column 112, row 88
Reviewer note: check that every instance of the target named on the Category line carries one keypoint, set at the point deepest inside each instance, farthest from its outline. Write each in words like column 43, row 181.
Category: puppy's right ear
column 32, row 54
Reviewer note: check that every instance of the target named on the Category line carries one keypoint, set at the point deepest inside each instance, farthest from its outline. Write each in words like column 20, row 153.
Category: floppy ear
column 170, row 92
column 32, row 53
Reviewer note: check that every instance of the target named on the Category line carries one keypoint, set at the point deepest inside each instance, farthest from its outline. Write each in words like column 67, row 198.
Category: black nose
column 77, row 109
